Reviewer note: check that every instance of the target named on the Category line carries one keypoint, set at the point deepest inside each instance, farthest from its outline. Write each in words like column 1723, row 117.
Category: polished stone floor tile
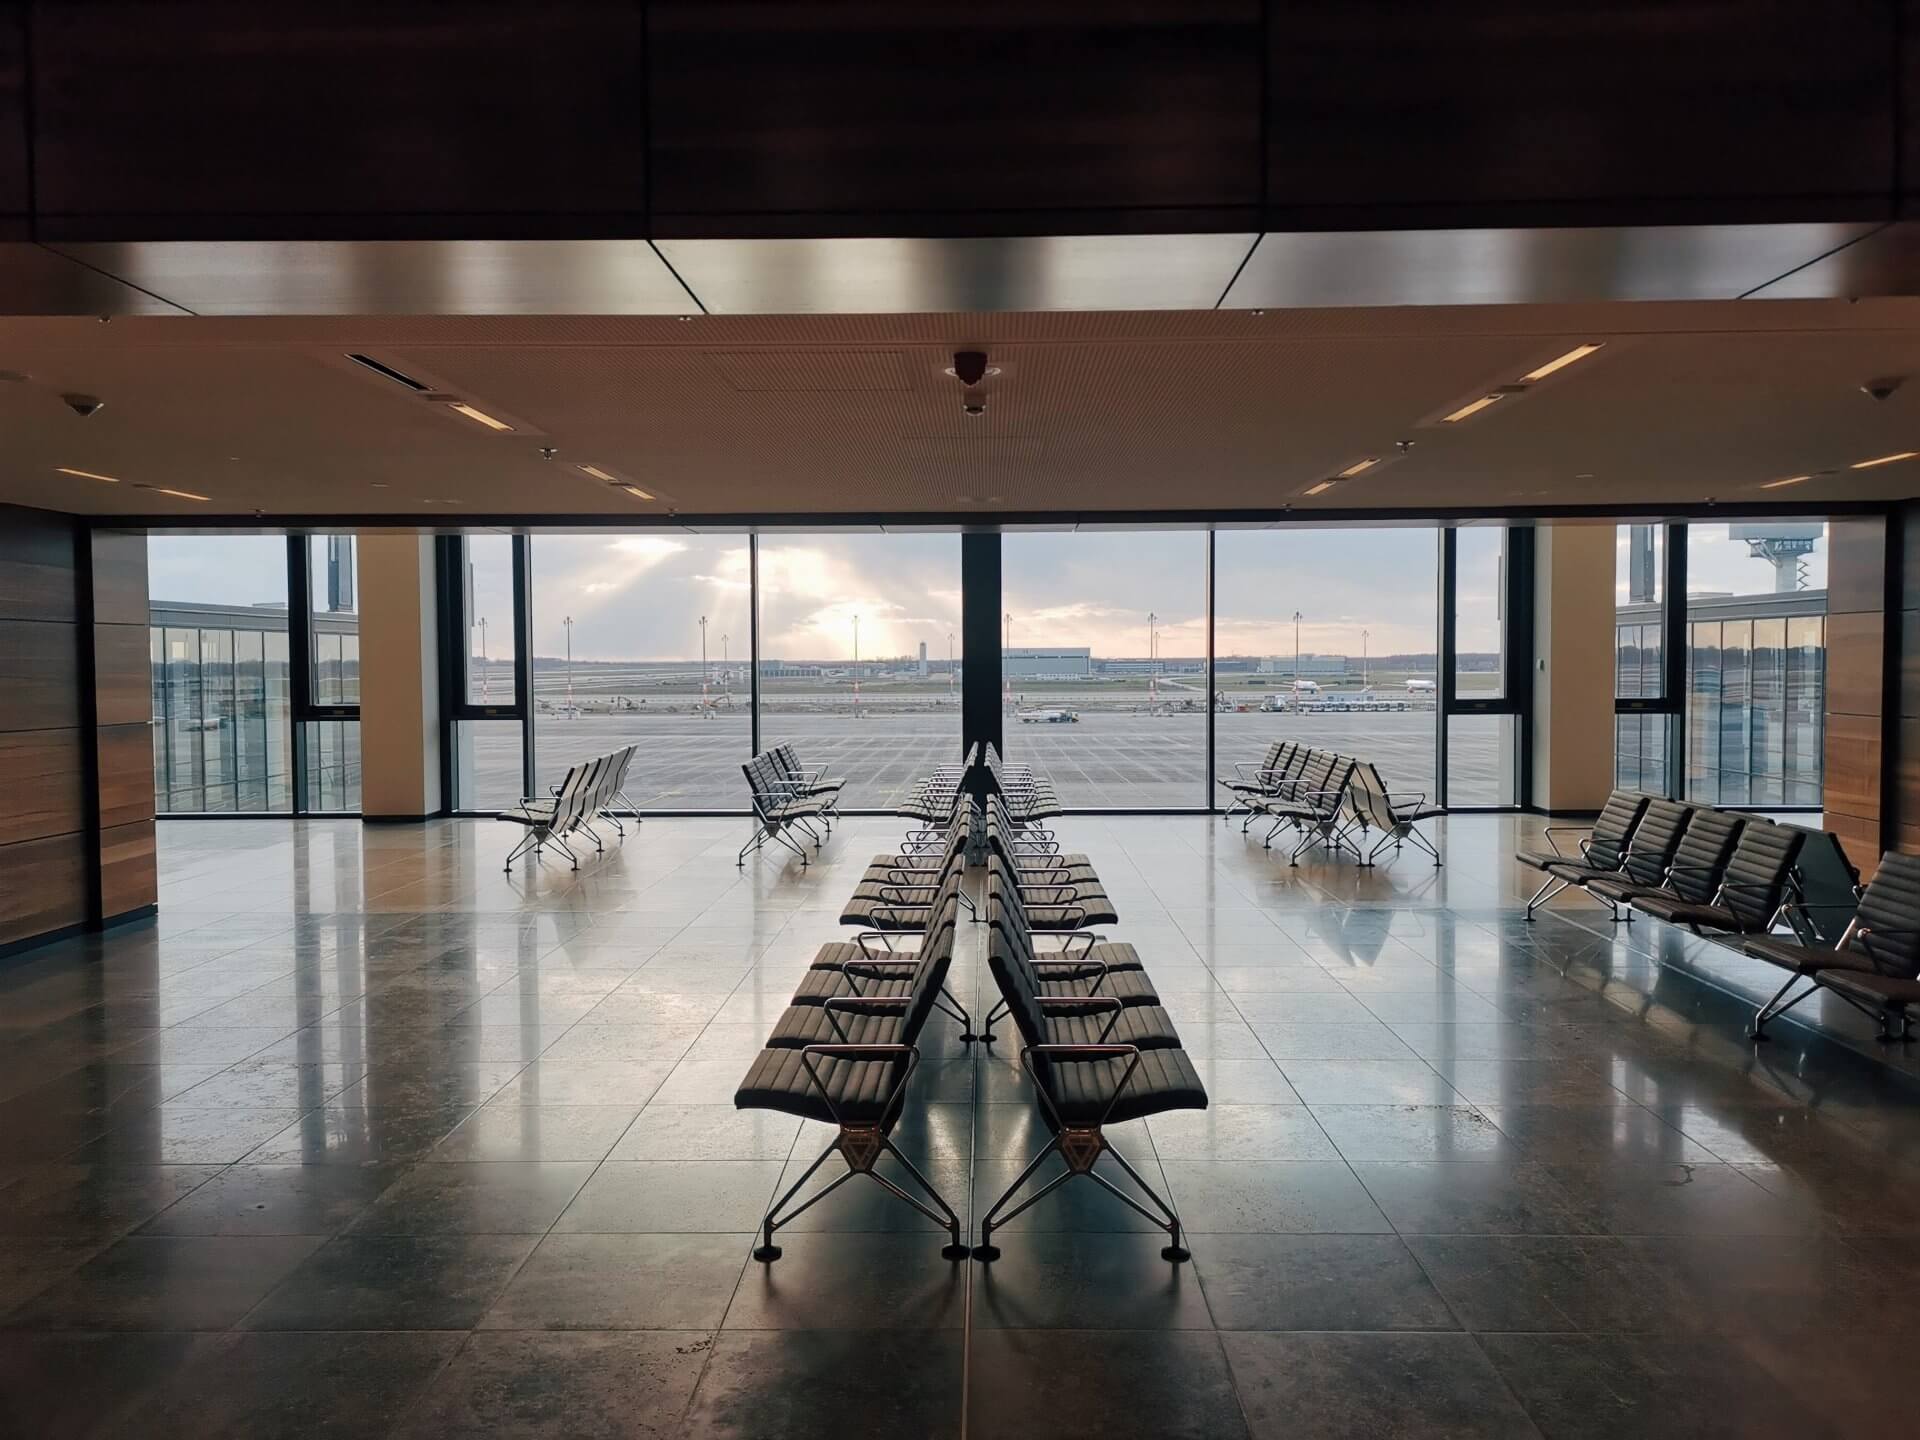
column 672, row 1197
column 561, row 1386
column 1423, row 1387
column 395, row 1283
column 275, row 1199
column 623, row 1282
column 1262, row 1197
column 286, row 1387
column 90, row 1201
column 164, row 1283
column 537, row 1133
column 706, row 1132
column 828, row 1385
column 479, row 1197
column 901, row 1283
column 460, row 1156
column 1082, row 1280
column 1493, row 1197
column 1094, row 1384
column 1241, row 1132
column 1317, row 1282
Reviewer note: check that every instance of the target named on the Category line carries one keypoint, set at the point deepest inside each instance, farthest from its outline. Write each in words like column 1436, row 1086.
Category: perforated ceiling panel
column 850, row 415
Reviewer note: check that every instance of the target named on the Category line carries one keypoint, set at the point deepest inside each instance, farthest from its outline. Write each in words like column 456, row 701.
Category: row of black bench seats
column 1328, row 799
column 787, row 795
column 1741, row 878
column 845, row 1049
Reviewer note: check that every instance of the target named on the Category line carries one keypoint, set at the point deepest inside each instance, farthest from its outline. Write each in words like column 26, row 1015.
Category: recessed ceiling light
column 86, row 474
column 1579, row 352
column 637, row 492
column 1324, row 485
column 462, row 408
column 1884, row 460
column 379, row 485
column 1358, row 466
column 597, row 473
column 177, row 494
column 1790, row 480
column 1472, row 408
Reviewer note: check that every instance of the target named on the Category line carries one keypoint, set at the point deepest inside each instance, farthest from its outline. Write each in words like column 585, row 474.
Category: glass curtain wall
column 331, row 741
column 1329, row 638
column 644, row 639
column 858, row 658
column 1482, row 735
column 1756, row 663
column 1641, row 722
column 1105, row 664
column 222, row 701
column 489, row 734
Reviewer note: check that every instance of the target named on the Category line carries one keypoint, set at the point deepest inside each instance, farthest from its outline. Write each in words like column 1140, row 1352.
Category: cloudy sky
column 640, row 597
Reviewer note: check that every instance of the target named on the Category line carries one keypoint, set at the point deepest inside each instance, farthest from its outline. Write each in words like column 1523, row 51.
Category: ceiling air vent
column 398, row 377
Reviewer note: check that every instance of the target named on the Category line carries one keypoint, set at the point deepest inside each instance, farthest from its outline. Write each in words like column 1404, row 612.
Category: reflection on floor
column 366, row 1138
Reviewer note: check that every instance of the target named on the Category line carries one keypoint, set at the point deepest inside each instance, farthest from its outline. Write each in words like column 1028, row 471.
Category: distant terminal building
column 1051, row 662
column 1312, row 667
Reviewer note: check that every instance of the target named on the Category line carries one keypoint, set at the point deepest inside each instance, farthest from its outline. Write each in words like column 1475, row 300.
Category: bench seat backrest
column 1700, row 860
column 1758, row 872
column 1890, row 917
column 1607, row 844
column 1655, row 839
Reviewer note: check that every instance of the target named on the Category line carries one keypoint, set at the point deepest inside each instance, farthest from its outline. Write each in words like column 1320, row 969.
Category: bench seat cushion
column 778, row 1080
column 1130, row 987
column 1873, row 987
column 1163, row 1080
column 817, row 986
column 810, row 1025
column 1148, row 1026
column 1676, row 911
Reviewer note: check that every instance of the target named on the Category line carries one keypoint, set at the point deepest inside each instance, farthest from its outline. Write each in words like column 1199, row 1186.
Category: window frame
column 1516, row 688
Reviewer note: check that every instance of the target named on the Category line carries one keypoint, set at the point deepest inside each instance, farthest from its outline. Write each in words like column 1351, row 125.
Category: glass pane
column 858, row 665
column 1482, row 760
column 621, row 656
column 490, row 633
column 336, row 619
column 1756, row 606
column 1479, row 613
column 1639, row 611
column 1640, row 752
column 218, row 612
column 333, row 766
column 1364, row 681
column 1105, row 664
column 486, row 765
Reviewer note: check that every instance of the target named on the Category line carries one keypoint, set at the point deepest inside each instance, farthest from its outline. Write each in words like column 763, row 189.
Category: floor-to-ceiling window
column 1484, row 712
column 644, row 640
column 858, row 665
column 486, row 611
column 1105, row 663
column 1756, row 663
column 222, row 706
column 330, row 709
column 1643, row 713
column 1329, row 638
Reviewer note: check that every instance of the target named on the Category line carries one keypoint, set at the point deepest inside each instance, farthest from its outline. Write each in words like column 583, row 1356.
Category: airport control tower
column 1784, row 546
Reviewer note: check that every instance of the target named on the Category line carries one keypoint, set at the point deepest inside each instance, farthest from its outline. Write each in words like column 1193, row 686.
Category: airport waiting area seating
column 1096, row 1044
column 1331, row 800
column 1780, row 894
column 588, row 791
column 1096, row 1057
column 787, row 797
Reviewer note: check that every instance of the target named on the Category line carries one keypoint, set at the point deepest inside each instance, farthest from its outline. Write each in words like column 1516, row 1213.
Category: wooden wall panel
column 37, row 567
column 948, row 119
column 123, row 675
column 39, row 676
column 125, row 760
column 1861, row 691
column 119, row 578
column 47, row 886
column 224, row 118
column 42, row 784
column 1551, row 109
column 1904, row 790
column 128, row 869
